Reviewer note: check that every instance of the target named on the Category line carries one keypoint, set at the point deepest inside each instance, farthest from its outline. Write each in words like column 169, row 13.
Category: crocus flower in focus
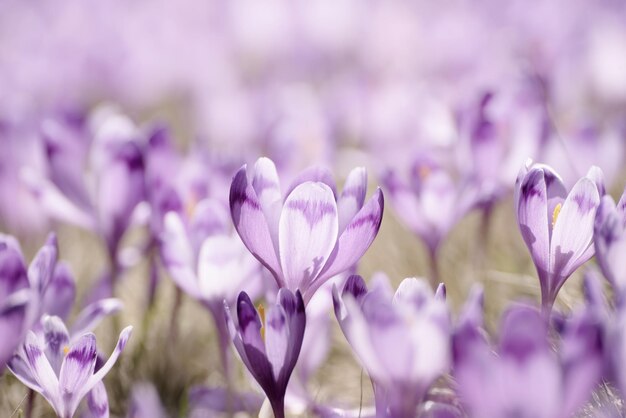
column 270, row 347
column 61, row 370
column 525, row 377
column 401, row 340
column 311, row 235
column 610, row 241
column 556, row 226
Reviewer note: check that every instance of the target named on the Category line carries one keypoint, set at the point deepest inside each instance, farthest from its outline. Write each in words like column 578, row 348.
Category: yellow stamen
column 555, row 214
column 261, row 310
column 66, row 350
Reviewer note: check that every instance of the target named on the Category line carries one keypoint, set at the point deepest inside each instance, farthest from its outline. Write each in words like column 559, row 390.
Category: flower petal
column 277, row 339
column 249, row 323
column 41, row 269
column 355, row 240
column 307, row 233
column 42, row 371
column 177, row 254
column 60, row 294
column 266, row 185
column 251, row 224
column 352, row 196
column 98, row 402
column 77, row 368
column 532, row 209
column 12, row 323
column 573, row 230
column 314, row 174
column 57, row 340
column 91, row 316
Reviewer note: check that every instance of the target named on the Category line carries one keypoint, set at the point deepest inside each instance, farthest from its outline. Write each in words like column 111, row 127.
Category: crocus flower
column 524, row 377
column 556, row 226
column 401, row 340
column 102, row 201
column 311, row 234
column 61, row 370
column 270, row 348
column 610, row 240
column 431, row 203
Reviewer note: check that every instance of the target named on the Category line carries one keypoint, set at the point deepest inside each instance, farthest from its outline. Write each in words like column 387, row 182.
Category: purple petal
column 77, row 368
column 178, row 254
column 210, row 400
column 307, row 233
column 98, row 402
column 12, row 268
column 355, row 286
column 596, row 175
column 93, row 314
column 266, row 185
column 145, row 402
column 315, row 175
column 610, row 242
column 41, row 269
column 41, row 371
column 106, row 367
column 413, row 292
column 276, row 339
column 352, row 196
column 12, row 323
column 532, row 215
column 355, row 240
column 573, row 231
column 57, row 340
column 249, row 323
column 251, row 223
column 60, row 294
column 523, row 333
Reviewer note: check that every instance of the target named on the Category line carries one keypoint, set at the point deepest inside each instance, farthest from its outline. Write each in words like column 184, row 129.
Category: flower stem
column 278, row 406
column 434, row 267
column 30, row 404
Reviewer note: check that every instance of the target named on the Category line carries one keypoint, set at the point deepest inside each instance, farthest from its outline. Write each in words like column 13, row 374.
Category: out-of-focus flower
column 556, row 226
column 525, row 377
column 431, row 203
column 102, row 199
column 610, row 241
column 64, row 371
column 401, row 340
column 145, row 402
column 270, row 348
column 311, row 235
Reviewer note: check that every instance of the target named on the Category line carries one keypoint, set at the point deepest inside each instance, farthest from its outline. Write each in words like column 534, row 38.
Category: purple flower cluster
column 207, row 171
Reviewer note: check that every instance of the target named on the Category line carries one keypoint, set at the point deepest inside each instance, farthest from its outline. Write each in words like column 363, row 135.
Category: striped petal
column 57, row 340
column 98, row 402
column 266, row 185
column 251, row 224
column 352, row 196
column 316, row 175
column 41, row 371
column 573, row 229
column 177, row 253
column 76, row 370
column 276, row 339
column 93, row 314
column 307, row 233
column 355, row 240
column 532, row 209
column 61, row 292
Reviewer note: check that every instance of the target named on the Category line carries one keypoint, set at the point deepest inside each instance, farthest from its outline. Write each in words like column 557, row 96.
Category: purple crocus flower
column 311, row 235
column 610, row 241
column 62, row 370
column 431, row 203
column 401, row 340
column 270, row 348
column 556, row 226
column 524, row 377
column 104, row 200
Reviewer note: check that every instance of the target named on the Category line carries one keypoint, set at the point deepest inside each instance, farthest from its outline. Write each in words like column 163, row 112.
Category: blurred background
column 338, row 83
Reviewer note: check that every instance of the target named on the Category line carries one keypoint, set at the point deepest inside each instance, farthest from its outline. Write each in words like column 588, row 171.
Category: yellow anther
column 66, row 350
column 555, row 214
column 261, row 310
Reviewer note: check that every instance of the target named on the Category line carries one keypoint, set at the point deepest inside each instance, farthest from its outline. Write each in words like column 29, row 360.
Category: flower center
column 423, row 171
column 555, row 214
column 66, row 349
